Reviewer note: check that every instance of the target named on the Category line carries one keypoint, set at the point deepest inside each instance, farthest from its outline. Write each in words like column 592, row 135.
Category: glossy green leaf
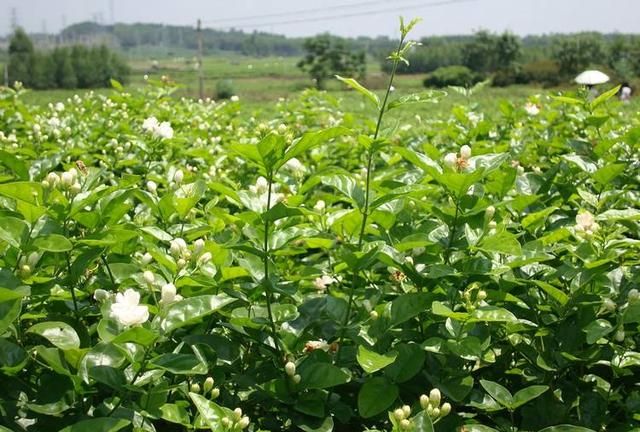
column 376, row 395
column 58, row 333
column 372, row 362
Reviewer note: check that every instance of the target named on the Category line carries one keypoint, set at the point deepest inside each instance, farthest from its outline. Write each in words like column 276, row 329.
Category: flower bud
column 198, row 245
column 181, row 263
column 489, row 212
column 493, row 224
column 168, row 294
column 25, row 270
column 226, row 422
column 465, row 152
column 445, row 409
column 609, row 305
column 33, row 259
column 373, row 315
column 100, row 295
column 424, row 401
column 435, row 413
column 398, row 414
column 406, row 409
column 633, row 295
column 205, row 258
column 451, row 160
column 619, row 336
column 146, row 258
column 208, row 385
column 434, row 397
column 178, row 176
column 66, row 178
column 237, row 413
column 75, row 188
column 290, row 368
column 215, row 393
column 152, row 186
column 405, row 424
column 297, row 378
column 482, row 294
column 148, row 277
column 320, row 206
column 244, row 422
column 53, row 179
column 195, row 388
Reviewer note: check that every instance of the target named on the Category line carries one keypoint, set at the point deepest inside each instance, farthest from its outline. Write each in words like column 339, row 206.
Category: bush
column 452, row 76
column 545, row 72
column 224, row 89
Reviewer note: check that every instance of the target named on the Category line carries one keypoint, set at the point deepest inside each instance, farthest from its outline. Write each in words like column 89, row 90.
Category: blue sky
column 369, row 18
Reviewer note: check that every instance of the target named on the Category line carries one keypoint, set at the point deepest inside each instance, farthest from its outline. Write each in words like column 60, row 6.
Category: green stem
column 367, row 192
column 267, row 290
column 452, row 232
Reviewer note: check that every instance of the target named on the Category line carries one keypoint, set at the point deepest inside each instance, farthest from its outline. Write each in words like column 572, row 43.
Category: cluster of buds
column 431, row 405
column 179, row 250
column 27, row 264
column 586, row 224
column 261, row 190
column 320, row 206
column 471, row 302
column 68, row 181
column 169, row 294
column 207, row 388
column 401, row 416
column 290, row 370
column 236, row 421
column 458, row 162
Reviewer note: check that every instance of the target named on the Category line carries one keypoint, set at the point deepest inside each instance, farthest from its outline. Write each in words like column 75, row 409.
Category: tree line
column 76, row 66
column 509, row 59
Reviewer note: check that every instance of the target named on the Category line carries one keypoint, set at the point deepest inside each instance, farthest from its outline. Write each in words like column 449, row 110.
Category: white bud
column 609, row 305
column 148, row 277
column 297, row 378
column 633, row 295
column 445, row 409
column 244, row 422
column 168, row 294
column 489, row 212
column 25, row 270
column 451, row 160
column 226, row 422
column 53, row 178
column 205, row 258
column 100, row 295
column 181, row 263
column 290, row 368
column 374, row 315
column 198, row 245
column 398, row 414
column 424, row 401
column 619, row 336
column 152, row 186
column 66, row 178
column 435, row 412
column 481, row 295
column 75, row 188
column 405, row 424
column 465, row 152
column 146, row 258
column 195, row 388
column 493, row 224
column 208, row 384
column 237, row 413
column 406, row 409
column 215, row 393
column 178, row 176
column 434, row 397
column 320, row 206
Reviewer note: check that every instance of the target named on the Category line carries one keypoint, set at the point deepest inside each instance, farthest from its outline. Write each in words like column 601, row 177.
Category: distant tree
column 44, row 71
column 20, row 58
column 328, row 56
column 64, row 72
column 479, row 53
column 576, row 53
column 84, row 67
column 508, row 50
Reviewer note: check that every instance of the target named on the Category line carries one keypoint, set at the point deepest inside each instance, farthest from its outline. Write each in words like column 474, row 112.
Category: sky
column 341, row 17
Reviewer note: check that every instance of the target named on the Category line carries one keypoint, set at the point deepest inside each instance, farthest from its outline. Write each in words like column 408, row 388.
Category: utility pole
column 200, row 76
column 14, row 19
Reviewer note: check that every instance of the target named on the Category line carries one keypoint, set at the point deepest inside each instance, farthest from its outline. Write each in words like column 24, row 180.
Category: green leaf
column 360, row 89
column 175, row 414
column 493, row 314
column 552, row 291
column 103, row 424
column 602, row 98
column 53, row 243
column 376, row 396
column 116, row 84
column 566, row 428
column 422, row 422
column 408, row 363
column 281, row 211
column 597, row 329
column 60, row 334
column 192, row 310
column 498, row 392
column 139, row 335
column 372, row 362
column 180, row 364
column 10, row 306
column 17, row 166
column 317, row 375
column 430, row 96
column 13, row 230
column 211, row 412
column 310, row 140
column 607, row 173
column 502, row 242
column 348, row 186
column 478, row 428
column 528, row 394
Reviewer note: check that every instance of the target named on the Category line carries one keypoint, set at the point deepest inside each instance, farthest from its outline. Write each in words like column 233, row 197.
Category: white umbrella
column 591, row 77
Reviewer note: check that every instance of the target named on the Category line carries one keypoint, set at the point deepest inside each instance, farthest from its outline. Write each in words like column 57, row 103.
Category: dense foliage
column 64, row 67
column 171, row 265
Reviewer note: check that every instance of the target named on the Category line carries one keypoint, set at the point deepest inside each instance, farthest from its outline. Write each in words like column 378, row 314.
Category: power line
column 296, row 12
column 350, row 15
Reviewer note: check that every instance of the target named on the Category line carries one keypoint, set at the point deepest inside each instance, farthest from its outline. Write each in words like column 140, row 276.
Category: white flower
column 532, row 109
column 150, row 124
column 260, row 187
column 164, row 130
column 234, row 98
column 148, row 277
column 320, row 344
column 321, row 283
column 178, row 176
column 67, row 178
column 198, row 245
column 320, row 206
column 127, row 309
column 450, row 160
column 146, row 258
column 152, row 186
column 465, row 152
column 59, row 106
column 295, row 166
column 169, row 294
column 586, row 223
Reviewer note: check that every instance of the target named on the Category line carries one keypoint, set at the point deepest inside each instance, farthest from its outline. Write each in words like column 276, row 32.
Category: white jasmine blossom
column 127, row 309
